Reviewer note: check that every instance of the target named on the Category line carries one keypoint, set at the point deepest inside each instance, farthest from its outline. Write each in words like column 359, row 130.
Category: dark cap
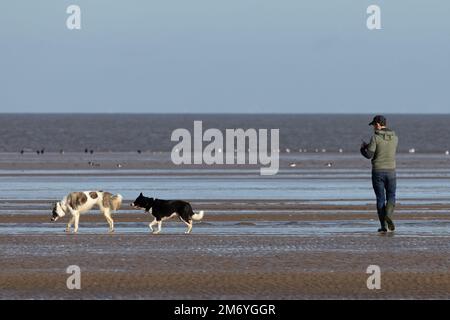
column 378, row 119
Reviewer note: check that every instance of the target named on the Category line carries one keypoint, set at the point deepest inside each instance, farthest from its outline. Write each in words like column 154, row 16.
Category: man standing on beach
column 382, row 149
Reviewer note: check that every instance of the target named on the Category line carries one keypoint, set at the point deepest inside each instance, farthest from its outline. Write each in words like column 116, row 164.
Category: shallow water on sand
column 342, row 190
column 410, row 228
column 293, row 191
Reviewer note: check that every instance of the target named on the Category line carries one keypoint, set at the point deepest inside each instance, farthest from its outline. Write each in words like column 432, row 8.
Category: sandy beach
column 171, row 266
column 245, row 248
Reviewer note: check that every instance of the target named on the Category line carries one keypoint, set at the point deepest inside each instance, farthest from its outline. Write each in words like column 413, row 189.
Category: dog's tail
column 199, row 215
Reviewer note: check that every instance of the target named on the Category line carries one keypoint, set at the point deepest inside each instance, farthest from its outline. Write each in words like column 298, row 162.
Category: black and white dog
column 166, row 209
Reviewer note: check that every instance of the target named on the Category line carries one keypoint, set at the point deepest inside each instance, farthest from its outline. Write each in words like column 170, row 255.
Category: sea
column 152, row 132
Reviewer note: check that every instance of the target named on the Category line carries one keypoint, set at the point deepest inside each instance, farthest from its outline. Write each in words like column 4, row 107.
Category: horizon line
column 220, row 113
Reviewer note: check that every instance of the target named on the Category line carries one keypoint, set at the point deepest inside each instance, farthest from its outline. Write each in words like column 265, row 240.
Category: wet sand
column 23, row 211
column 245, row 253
column 177, row 266
column 243, row 249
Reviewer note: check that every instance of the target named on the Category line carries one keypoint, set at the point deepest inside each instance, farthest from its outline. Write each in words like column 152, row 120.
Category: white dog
column 77, row 203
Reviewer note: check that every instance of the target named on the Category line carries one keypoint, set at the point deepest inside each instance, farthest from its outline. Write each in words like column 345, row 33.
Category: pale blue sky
column 204, row 56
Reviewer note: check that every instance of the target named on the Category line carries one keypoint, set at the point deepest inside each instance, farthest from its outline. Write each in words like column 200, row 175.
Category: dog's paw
column 111, row 231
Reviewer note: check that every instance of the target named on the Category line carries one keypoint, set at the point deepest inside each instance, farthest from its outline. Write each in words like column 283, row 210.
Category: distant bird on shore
column 42, row 151
column 61, row 151
column 341, row 150
column 91, row 152
column 139, row 151
column 119, row 165
column 22, row 152
column 93, row 164
column 329, row 164
column 412, row 150
column 447, row 153
column 86, row 150
column 292, row 165
column 38, row 151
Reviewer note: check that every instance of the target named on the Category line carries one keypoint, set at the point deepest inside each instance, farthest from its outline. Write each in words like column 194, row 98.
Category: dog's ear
column 141, row 194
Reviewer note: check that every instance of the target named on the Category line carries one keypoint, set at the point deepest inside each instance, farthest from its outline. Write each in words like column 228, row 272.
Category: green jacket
column 382, row 149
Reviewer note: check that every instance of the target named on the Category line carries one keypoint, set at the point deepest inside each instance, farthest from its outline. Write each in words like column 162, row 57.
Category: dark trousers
column 384, row 184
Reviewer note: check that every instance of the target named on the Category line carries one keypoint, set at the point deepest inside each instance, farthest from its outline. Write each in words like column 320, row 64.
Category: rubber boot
column 381, row 217
column 388, row 217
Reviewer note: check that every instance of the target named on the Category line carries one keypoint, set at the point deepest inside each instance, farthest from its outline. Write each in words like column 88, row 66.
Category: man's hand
column 366, row 153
